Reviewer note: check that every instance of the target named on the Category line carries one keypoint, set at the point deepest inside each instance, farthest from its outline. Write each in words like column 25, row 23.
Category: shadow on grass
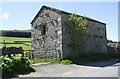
column 97, row 59
column 22, row 41
column 27, row 44
column 10, row 43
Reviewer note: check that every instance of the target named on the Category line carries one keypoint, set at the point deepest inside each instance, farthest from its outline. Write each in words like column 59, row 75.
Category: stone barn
column 50, row 38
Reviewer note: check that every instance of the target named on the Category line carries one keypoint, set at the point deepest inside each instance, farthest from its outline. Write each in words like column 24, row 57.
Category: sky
column 18, row 15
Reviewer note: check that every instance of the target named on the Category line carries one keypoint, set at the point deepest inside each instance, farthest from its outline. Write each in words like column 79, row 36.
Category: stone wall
column 66, row 39
column 95, row 42
column 113, row 49
column 11, row 50
column 50, row 37
column 46, row 41
column 118, row 49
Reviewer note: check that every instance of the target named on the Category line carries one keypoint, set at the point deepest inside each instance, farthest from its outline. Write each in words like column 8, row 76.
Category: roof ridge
column 62, row 11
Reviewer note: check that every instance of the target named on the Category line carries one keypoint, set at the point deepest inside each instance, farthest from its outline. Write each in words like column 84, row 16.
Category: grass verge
column 43, row 60
column 84, row 58
column 66, row 62
column 94, row 57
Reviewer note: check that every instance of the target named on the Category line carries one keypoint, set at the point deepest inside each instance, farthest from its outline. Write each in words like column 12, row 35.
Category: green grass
column 85, row 58
column 43, row 60
column 66, row 62
column 26, row 45
column 112, row 44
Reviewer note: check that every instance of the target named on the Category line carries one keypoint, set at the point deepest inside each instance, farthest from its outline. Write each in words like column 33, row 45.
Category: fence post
column 4, row 44
column 4, row 47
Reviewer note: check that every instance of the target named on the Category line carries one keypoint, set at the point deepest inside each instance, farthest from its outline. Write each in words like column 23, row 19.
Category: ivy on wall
column 77, row 27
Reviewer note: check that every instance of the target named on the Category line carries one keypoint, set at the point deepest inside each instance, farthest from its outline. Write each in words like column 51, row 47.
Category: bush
column 6, row 66
column 15, row 65
column 66, row 61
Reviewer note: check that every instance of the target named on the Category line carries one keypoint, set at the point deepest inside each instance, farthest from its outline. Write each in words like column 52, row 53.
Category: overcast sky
column 18, row 15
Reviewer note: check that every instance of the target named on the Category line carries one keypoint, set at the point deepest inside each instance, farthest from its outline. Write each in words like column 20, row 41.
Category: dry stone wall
column 11, row 50
column 114, row 49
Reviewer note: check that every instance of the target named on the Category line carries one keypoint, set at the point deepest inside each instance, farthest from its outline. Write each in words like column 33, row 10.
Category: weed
column 94, row 57
column 66, row 62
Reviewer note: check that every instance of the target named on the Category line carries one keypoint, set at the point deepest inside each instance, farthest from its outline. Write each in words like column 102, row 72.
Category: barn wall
column 54, row 39
column 47, row 45
column 96, row 41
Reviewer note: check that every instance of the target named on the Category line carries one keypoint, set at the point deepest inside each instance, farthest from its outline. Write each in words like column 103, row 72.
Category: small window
column 43, row 32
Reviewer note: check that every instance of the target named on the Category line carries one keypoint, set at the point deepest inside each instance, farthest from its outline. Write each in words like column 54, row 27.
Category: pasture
column 16, row 41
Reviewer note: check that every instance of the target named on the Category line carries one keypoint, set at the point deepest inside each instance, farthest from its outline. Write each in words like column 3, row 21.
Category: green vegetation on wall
column 78, row 28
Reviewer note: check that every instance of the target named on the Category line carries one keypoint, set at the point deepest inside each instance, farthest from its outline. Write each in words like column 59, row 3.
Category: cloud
column 5, row 15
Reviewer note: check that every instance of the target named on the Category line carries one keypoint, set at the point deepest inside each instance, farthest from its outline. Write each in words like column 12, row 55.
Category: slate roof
column 61, row 11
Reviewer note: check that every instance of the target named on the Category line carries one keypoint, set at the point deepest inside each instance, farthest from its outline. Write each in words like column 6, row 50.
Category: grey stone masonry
column 51, row 40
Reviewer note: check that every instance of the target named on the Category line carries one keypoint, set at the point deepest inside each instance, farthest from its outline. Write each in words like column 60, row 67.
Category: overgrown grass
column 66, row 62
column 26, row 45
column 43, row 60
column 51, row 61
column 94, row 57
column 84, row 58
column 113, row 44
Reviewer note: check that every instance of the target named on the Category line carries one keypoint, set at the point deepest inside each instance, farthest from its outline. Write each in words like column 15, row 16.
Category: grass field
column 16, row 41
column 112, row 44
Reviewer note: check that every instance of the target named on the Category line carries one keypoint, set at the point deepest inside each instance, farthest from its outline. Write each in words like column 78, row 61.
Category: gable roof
column 61, row 11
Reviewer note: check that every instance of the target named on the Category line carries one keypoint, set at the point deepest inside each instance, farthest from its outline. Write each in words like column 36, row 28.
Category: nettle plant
column 15, row 65
column 77, row 27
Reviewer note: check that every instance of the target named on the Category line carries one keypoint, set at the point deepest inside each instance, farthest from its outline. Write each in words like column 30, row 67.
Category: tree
column 78, row 29
column 109, row 41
